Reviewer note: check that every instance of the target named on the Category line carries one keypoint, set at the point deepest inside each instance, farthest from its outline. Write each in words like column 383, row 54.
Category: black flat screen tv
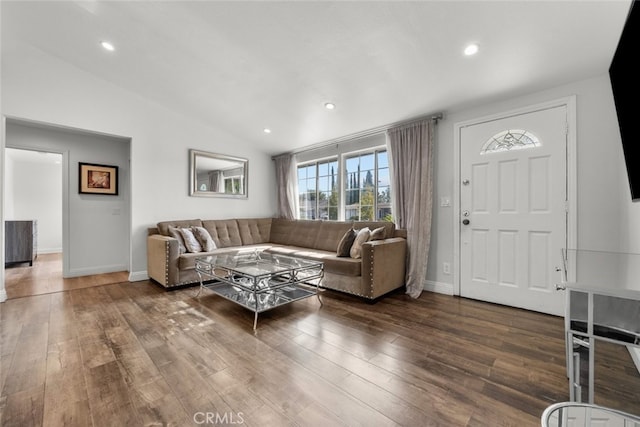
column 625, row 82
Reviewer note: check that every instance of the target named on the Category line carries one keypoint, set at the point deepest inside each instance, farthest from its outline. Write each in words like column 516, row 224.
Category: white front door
column 513, row 219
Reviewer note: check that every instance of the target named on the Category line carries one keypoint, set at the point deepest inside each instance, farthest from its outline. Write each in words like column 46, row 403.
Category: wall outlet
column 446, row 268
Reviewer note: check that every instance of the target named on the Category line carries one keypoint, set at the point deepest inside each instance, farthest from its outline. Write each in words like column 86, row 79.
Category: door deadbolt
column 465, row 182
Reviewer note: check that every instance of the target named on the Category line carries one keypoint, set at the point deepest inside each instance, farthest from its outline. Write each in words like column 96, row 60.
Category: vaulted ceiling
column 246, row 66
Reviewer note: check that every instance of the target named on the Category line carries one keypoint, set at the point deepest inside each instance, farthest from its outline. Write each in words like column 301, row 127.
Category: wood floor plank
column 394, row 407
column 156, row 404
column 66, row 402
column 28, row 365
column 23, row 408
column 109, row 396
column 34, row 310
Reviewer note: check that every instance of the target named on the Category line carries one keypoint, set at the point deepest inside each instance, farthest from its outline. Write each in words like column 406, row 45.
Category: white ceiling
column 244, row 66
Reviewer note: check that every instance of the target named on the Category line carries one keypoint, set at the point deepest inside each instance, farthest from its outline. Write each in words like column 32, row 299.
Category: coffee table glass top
column 256, row 264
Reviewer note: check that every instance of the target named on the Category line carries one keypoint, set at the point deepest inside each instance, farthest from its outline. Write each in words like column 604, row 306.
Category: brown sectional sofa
column 380, row 270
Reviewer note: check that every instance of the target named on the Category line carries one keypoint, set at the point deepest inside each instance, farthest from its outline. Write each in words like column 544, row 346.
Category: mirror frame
column 193, row 178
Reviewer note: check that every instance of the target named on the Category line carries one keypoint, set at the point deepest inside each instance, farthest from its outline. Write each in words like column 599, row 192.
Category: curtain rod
column 369, row 132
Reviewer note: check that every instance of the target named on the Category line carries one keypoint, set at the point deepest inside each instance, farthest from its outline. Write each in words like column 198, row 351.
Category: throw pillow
column 190, row 241
column 377, row 234
column 175, row 233
column 356, row 248
column 345, row 243
column 204, row 238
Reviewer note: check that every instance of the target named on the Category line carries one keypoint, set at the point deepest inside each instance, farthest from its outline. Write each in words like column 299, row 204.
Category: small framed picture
column 98, row 179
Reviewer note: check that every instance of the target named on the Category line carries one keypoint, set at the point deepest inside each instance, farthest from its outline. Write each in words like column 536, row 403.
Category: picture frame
column 97, row 179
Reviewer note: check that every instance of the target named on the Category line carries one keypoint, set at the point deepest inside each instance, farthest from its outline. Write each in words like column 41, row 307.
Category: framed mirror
column 217, row 175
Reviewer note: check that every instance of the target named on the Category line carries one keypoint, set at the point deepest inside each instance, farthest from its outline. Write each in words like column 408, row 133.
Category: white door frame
column 570, row 104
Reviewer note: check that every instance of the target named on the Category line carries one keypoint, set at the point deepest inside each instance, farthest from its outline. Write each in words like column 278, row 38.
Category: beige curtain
column 216, row 181
column 410, row 150
column 286, row 185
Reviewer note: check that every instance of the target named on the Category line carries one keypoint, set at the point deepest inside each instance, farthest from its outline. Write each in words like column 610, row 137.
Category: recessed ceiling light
column 266, row 130
column 471, row 49
column 107, row 46
column 329, row 105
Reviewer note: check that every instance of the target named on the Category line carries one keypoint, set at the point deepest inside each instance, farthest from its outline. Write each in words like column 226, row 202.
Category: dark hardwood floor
column 133, row 354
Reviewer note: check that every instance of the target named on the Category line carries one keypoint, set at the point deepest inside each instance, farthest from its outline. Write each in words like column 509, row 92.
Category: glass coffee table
column 259, row 281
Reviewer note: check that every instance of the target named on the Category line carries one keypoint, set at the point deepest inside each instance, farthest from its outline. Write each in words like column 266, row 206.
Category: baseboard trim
column 97, row 270
column 635, row 355
column 49, row 251
column 438, row 287
column 3, row 295
column 138, row 276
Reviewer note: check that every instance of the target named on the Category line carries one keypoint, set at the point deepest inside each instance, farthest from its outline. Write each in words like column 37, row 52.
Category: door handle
column 466, row 221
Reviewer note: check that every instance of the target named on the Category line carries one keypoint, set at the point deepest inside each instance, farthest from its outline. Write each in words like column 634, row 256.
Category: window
column 507, row 140
column 367, row 189
column 233, row 185
column 317, row 190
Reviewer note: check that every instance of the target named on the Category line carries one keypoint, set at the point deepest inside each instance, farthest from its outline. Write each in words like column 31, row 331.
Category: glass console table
column 571, row 414
column 259, row 281
column 602, row 303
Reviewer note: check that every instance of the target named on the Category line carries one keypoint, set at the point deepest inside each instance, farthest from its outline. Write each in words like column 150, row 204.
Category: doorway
column 513, row 207
column 33, row 191
column 33, row 195
column 95, row 228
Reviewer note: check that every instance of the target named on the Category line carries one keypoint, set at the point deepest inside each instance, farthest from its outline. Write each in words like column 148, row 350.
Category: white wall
column 40, row 87
column 606, row 217
column 340, row 149
column 34, row 191
column 7, row 185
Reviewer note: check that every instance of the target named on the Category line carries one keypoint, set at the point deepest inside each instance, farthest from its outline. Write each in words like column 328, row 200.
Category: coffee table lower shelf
column 264, row 300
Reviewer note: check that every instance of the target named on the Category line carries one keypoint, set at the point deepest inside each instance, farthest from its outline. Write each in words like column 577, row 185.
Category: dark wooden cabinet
column 20, row 241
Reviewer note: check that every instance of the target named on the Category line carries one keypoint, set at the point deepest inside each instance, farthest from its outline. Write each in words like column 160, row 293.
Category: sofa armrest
column 383, row 266
column 163, row 253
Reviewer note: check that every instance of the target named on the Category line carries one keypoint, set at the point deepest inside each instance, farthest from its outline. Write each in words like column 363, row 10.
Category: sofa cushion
column 343, row 266
column 377, row 234
column 344, row 246
column 191, row 243
column 332, row 263
column 163, row 227
column 303, row 233
column 175, row 233
column 330, row 234
column 281, row 229
column 361, row 237
column 389, row 227
column 205, row 239
column 224, row 232
column 254, row 231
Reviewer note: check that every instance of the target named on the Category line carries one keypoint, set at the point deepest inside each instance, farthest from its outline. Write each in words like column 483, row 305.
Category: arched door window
column 511, row 139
